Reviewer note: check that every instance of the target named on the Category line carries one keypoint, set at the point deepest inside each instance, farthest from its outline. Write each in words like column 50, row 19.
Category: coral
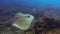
column 44, row 24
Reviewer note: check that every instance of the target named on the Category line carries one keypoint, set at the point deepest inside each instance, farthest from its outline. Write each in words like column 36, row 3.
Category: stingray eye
column 28, row 16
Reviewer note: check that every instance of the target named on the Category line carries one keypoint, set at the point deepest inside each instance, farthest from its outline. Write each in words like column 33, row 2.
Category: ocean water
column 48, row 7
column 38, row 8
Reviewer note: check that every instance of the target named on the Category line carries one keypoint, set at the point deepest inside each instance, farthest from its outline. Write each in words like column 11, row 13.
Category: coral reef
column 45, row 24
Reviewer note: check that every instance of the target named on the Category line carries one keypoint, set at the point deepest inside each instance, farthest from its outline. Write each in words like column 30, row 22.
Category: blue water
column 54, row 5
column 31, row 3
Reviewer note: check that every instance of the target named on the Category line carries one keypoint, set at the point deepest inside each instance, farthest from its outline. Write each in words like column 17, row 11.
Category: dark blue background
column 47, row 7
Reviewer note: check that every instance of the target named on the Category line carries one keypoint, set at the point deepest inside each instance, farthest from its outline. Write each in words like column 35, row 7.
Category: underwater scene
column 29, row 16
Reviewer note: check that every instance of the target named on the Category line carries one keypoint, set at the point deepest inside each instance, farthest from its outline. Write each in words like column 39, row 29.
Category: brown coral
column 44, row 24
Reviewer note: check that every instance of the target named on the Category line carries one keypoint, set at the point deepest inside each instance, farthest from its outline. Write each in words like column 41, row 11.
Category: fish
column 23, row 21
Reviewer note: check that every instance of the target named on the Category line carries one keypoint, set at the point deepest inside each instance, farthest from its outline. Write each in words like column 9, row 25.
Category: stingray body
column 23, row 21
